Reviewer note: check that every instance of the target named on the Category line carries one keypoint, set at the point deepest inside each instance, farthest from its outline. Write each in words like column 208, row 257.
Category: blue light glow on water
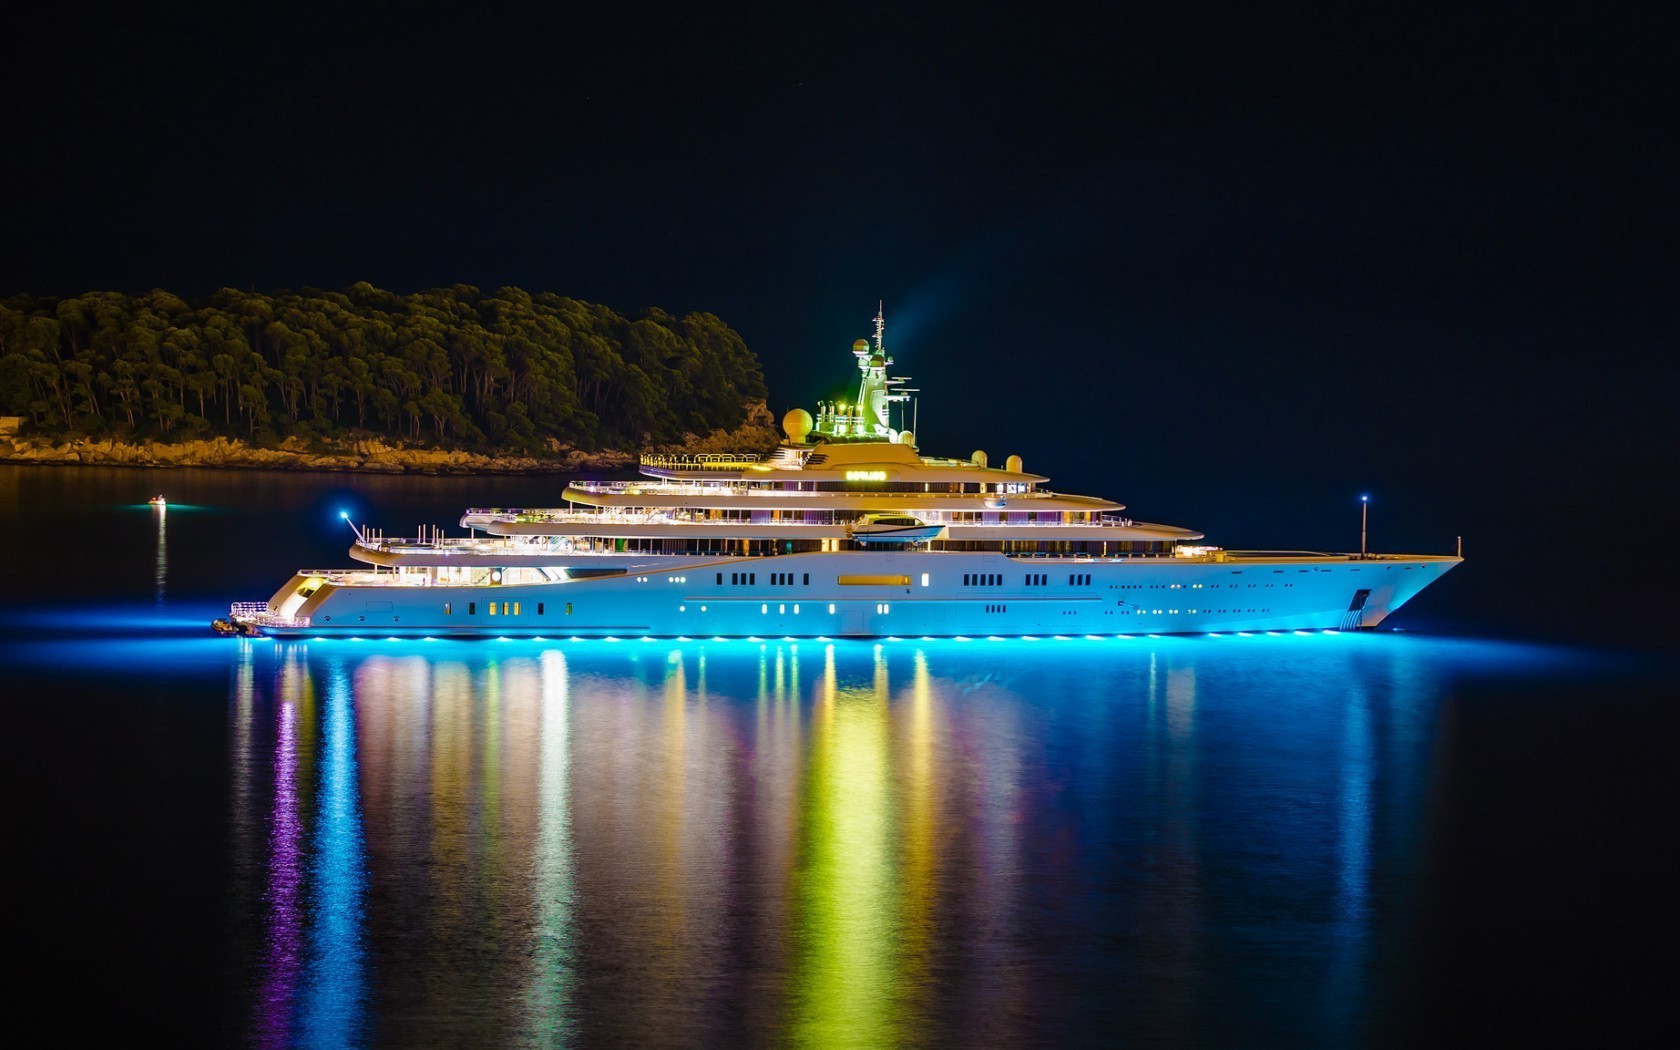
column 600, row 835
column 1107, row 839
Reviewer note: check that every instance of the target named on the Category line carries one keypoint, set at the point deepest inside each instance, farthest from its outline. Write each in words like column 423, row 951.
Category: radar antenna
column 880, row 327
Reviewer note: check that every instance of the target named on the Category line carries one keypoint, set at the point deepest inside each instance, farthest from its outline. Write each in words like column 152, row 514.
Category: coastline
column 367, row 456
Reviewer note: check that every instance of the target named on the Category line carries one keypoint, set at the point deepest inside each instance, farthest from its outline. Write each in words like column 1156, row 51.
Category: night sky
column 1232, row 267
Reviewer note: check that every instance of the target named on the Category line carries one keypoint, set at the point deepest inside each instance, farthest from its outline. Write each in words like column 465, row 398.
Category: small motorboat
column 227, row 626
column 892, row 528
column 158, row 501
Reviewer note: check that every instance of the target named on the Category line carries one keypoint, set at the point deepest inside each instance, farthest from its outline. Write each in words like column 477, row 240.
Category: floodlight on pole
column 1364, row 510
column 346, row 516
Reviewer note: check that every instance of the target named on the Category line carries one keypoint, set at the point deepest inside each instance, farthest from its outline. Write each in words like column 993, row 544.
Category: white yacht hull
column 875, row 594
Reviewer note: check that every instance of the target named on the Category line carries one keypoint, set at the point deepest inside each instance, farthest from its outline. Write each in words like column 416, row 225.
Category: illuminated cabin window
column 796, row 608
column 492, row 608
column 924, row 579
column 831, row 608
column 516, row 608
column 764, row 608
column 446, row 608
column 780, row 609
column 568, row 608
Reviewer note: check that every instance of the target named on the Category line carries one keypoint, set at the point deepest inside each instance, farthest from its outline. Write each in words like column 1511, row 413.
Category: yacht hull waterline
column 780, row 546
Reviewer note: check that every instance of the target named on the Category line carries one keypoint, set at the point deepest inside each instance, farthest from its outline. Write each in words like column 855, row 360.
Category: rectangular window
column 720, row 577
column 807, row 579
column 752, row 579
column 516, row 608
column 492, row 608
column 568, row 608
column 472, row 608
column 539, row 608
column 504, row 608
column 924, row 579
column 446, row 608
column 873, row 581
column 965, row 579
column 734, row 577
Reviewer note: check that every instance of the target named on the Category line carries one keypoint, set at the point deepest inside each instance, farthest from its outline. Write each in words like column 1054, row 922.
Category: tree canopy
column 453, row 367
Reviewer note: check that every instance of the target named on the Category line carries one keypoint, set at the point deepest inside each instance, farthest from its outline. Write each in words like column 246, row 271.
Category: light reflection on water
column 826, row 843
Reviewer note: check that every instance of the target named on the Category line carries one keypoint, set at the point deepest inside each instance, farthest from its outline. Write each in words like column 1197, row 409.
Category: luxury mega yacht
column 845, row 529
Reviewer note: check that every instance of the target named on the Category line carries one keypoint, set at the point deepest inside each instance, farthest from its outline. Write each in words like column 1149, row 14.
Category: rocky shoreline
column 369, row 456
column 365, row 455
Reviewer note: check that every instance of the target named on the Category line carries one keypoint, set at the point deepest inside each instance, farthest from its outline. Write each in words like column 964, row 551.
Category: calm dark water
column 1335, row 840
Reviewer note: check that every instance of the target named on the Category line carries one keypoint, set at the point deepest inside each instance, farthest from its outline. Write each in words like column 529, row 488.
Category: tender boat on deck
column 892, row 528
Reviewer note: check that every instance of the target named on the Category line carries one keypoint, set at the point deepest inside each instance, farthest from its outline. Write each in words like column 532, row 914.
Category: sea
column 1420, row 835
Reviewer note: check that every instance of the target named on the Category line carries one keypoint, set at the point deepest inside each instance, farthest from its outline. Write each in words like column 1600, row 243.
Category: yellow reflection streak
column 548, row 995
column 921, row 818
column 844, row 975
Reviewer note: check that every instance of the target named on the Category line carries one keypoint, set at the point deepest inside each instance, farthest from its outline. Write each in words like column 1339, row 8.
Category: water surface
column 1332, row 839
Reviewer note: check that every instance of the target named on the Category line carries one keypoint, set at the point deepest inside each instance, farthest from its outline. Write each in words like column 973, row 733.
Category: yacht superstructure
column 845, row 529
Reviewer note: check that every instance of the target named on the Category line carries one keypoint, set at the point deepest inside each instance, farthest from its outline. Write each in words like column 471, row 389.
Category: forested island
column 505, row 374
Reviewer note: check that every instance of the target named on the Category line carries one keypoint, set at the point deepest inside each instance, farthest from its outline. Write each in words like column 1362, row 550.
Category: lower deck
column 857, row 594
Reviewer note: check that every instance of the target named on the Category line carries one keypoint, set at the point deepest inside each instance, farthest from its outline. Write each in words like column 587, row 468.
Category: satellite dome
column 877, row 361
column 861, row 345
column 1012, row 464
column 905, row 437
column 796, row 425
column 978, row 459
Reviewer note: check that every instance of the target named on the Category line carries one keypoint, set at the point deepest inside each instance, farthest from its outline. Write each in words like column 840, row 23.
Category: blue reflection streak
column 280, row 965
column 1346, row 987
column 332, row 998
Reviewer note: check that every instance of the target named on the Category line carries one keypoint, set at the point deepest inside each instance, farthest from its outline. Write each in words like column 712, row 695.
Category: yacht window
column 492, row 608
column 539, row 608
column 807, row 581
column 720, row 577
column 446, row 608
column 752, row 578
column 568, row 608
column 516, row 608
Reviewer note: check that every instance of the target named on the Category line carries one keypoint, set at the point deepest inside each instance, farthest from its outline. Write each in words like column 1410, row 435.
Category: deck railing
column 700, row 461
column 257, row 613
